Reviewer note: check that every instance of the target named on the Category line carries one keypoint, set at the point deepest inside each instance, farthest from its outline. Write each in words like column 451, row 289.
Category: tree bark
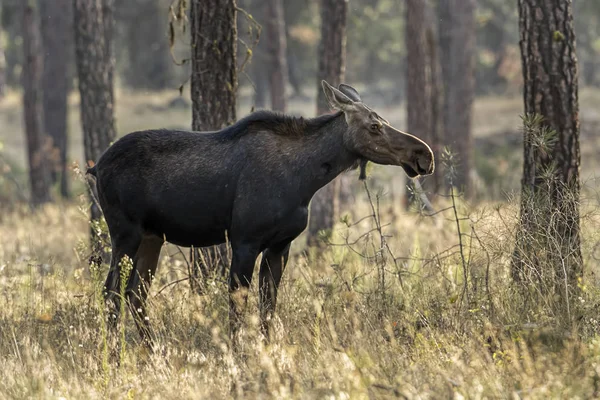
column 422, row 93
column 93, row 34
column 292, row 15
column 457, row 45
column 548, row 243
column 435, row 181
column 277, row 45
column 108, row 28
column 37, row 141
column 214, row 89
column 293, row 70
column 214, row 73
column 259, row 75
column 56, row 25
column 418, row 82
column 149, row 64
column 261, row 83
column 2, row 69
column 324, row 207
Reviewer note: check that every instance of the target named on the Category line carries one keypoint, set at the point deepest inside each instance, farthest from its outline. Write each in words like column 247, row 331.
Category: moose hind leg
column 123, row 244
column 242, row 266
column 145, row 263
column 271, row 269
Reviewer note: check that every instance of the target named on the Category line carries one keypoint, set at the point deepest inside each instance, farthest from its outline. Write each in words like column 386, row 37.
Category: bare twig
column 487, row 272
column 461, row 248
column 171, row 284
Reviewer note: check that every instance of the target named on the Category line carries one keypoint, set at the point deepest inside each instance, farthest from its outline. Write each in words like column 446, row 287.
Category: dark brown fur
column 251, row 182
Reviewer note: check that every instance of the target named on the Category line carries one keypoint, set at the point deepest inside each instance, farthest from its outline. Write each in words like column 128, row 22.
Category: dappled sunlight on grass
column 353, row 321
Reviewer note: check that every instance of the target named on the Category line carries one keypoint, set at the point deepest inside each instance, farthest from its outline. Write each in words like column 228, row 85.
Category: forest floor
column 433, row 315
column 352, row 322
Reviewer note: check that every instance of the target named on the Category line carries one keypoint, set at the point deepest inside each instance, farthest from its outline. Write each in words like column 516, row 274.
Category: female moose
column 252, row 180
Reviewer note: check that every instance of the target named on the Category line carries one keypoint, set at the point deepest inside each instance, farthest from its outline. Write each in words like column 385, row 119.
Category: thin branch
column 460, row 243
column 171, row 284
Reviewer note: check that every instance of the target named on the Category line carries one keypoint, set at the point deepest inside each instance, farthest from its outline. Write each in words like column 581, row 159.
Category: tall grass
column 394, row 307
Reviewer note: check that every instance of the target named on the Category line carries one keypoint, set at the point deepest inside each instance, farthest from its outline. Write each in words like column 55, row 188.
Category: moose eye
column 375, row 127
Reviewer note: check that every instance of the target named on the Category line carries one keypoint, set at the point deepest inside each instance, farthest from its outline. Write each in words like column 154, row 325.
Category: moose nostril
column 423, row 166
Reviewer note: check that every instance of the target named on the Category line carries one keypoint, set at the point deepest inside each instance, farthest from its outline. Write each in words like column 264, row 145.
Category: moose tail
column 91, row 171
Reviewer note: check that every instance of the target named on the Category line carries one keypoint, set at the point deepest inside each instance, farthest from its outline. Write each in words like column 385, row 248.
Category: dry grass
column 340, row 332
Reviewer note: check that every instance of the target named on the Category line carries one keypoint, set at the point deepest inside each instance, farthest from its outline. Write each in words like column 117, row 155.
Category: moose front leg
column 242, row 266
column 271, row 269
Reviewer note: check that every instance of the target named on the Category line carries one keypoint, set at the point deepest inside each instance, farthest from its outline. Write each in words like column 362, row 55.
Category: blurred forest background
column 488, row 286
column 153, row 64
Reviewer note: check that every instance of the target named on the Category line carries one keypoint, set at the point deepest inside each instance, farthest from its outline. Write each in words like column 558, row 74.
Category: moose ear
column 336, row 99
column 350, row 92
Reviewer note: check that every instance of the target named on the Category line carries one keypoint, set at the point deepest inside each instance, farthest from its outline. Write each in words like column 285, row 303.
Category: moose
column 250, row 183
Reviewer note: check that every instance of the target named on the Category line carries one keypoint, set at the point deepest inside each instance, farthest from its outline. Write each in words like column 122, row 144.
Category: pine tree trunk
column 434, row 182
column 37, row 141
column 293, row 72
column 56, row 34
column 2, row 68
column 214, row 74
column 457, row 44
column 418, row 77
column 108, row 27
column 149, row 62
column 258, row 73
column 277, row 45
column 261, row 82
column 95, row 74
column 214, row 89
column 418, row 83
column 590, row 73
column 292, row 15
column 332, row 48
column 324, row 207
column 548, row 243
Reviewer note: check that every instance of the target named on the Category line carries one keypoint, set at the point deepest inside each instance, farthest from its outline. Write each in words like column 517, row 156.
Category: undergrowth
column 399, row 304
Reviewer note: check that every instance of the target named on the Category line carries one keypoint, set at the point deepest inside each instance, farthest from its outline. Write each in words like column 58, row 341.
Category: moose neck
column 322, row 154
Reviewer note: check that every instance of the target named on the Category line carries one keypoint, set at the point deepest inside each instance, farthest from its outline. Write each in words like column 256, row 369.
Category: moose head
column 374, row 139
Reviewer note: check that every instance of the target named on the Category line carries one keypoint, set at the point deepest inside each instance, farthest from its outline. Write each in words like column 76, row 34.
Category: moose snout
column 424, row 163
